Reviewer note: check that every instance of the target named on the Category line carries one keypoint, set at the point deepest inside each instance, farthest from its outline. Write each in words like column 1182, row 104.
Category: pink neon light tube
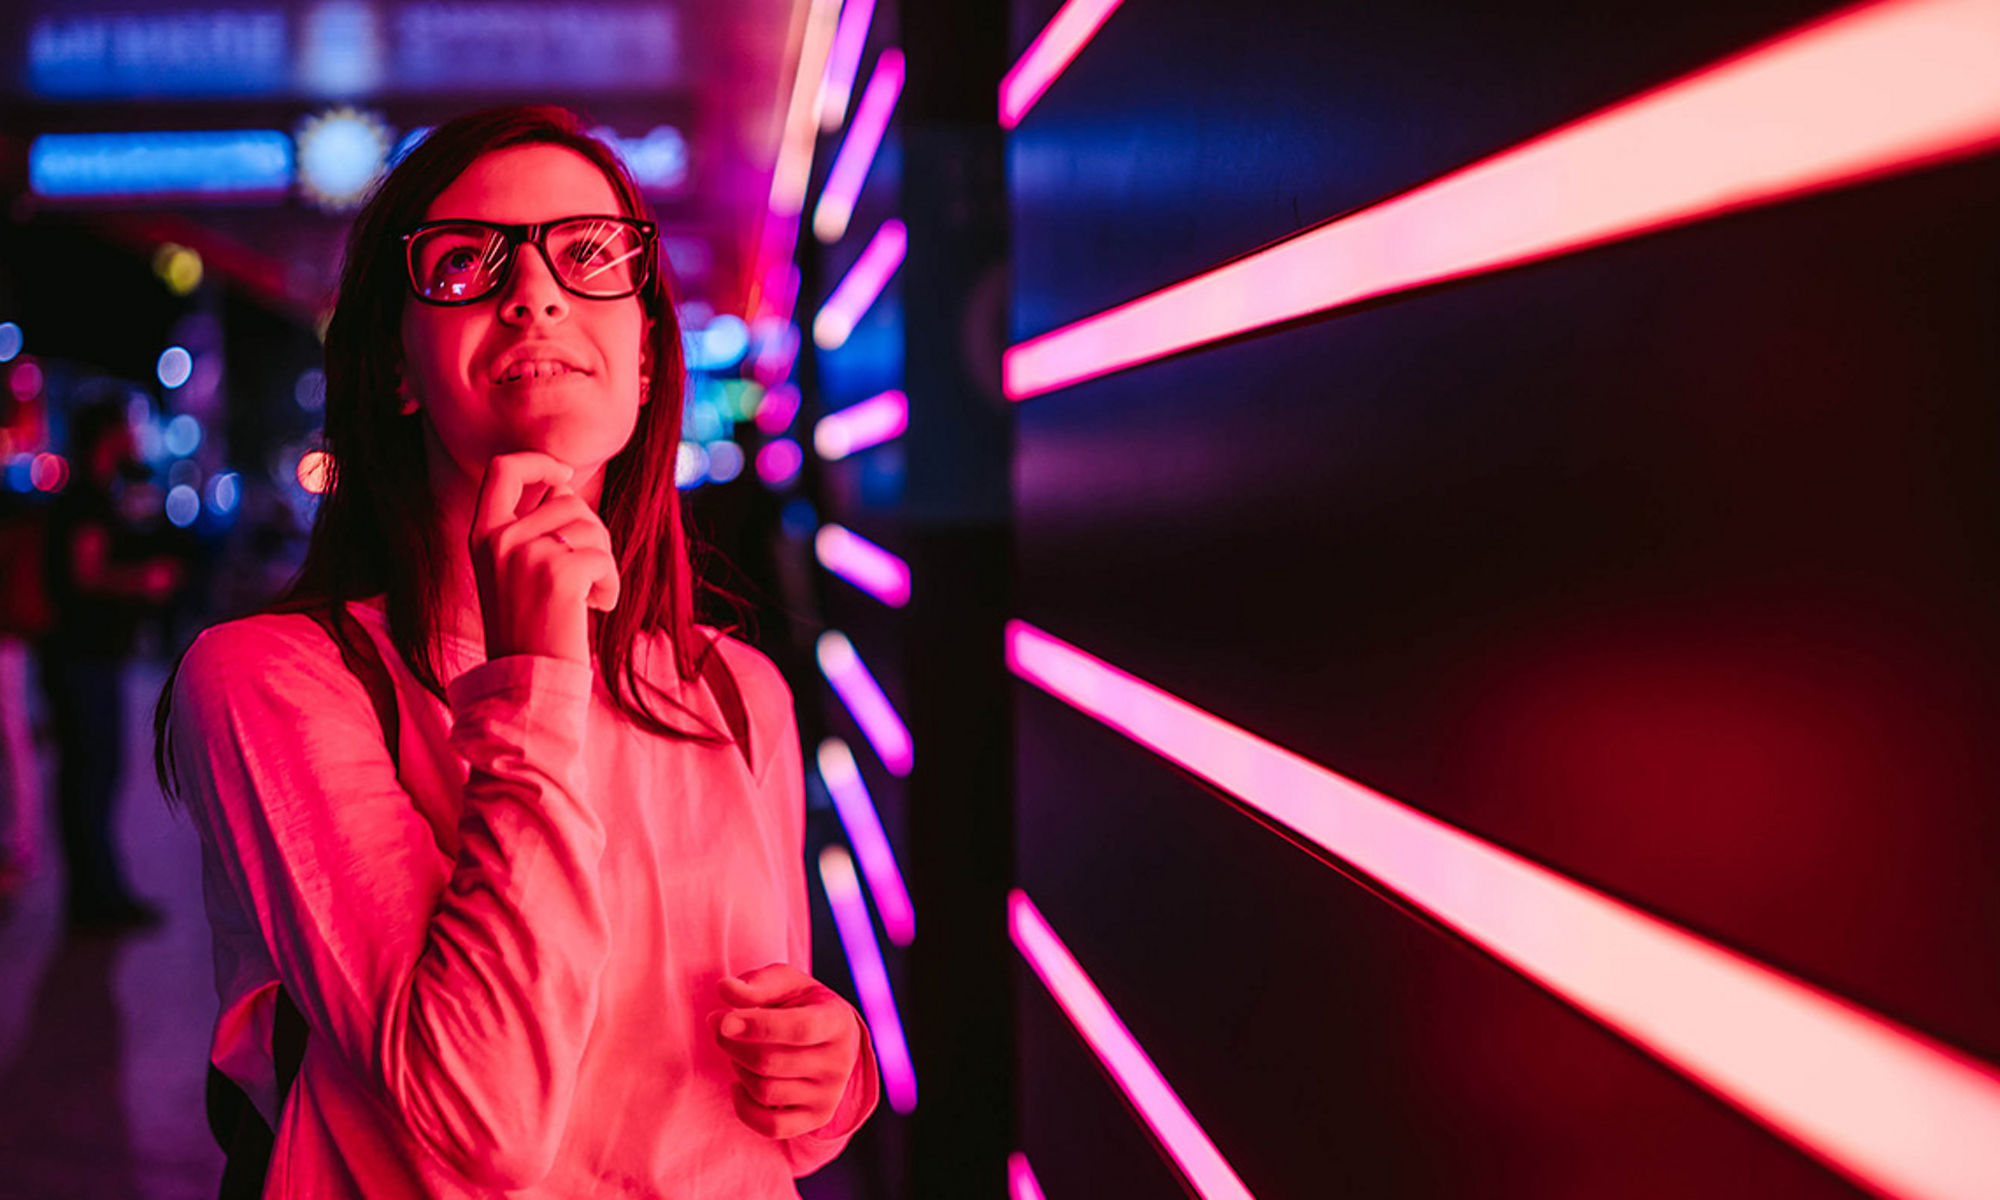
column 1049, row 55
column 863, row 283
column 858, row 426
column 864, row 564
column 871, row 977
column 1169, row 1119
column 795, row 151
column 1897, row 1112
column 849, row 39
column 776, row 410
column 1021, row 1181
column 1884, row 87
column 871, row 845
column 857, row 152
column 863, row 697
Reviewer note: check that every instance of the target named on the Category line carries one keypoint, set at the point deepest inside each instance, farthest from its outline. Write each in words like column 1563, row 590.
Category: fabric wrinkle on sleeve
column 461, row 992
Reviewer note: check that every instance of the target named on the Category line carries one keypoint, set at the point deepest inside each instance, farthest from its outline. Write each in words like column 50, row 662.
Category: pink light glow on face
column 863, row 283
column 858, row 817
column 858, row 426
column 1883, row 87
column 1049, row 55
column 857, row 153
column 776, row 410
column 843, row 61
column 1169, row 1119
column 1897, row 1112
column 871, row 977
column 779, row 461
column 863, row 697
column 863, row 564
column 1021, row 1181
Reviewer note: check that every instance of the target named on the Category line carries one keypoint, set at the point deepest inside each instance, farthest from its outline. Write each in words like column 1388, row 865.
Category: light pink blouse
column 507, row 959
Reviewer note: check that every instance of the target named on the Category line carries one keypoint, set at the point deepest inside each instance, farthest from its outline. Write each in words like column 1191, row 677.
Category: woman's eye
column 583, row 251
column 461, row 259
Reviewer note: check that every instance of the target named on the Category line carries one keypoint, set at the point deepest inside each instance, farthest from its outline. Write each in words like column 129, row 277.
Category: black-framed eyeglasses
column 462, row 261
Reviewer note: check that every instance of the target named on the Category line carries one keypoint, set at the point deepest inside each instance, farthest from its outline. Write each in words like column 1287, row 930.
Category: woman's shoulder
column 257, row 651
column 757, row 677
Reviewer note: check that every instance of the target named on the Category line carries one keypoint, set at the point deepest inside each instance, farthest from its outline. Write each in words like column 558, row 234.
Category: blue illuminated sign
column 443, row 46
column 221, row 163
column 216, row 52
column 658, row 161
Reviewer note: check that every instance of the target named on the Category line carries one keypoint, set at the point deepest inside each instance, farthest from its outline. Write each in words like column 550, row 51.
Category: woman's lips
column 536, row 370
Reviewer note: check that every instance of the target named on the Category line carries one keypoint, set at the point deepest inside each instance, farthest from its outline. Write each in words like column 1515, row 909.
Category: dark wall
column 1670, row 564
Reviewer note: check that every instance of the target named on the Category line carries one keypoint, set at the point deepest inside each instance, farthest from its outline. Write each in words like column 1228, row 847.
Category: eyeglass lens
column 591, row 256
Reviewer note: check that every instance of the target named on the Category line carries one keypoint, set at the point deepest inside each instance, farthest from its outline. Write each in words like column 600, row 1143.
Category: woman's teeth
column 533, row 370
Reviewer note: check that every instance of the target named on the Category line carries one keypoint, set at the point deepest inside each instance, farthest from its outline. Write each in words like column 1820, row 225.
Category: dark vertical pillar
column 956, row 508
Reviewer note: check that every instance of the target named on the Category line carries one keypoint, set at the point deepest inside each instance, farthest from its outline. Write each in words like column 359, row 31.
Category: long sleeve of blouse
column 496, row 1003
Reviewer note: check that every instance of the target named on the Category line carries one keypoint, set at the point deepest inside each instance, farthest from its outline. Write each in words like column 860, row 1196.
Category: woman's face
column 579, row 400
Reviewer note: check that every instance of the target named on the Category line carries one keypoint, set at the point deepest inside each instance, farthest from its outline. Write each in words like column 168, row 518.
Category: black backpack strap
column 237, row 1125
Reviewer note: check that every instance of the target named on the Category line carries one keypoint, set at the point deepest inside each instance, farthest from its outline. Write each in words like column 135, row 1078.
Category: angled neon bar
column 864, row 700
column 863, row 282
column 1884, row 87
column 869, row 422
column 849, row 39
column 863, row 824
column 857, row 152
column 864, row 564
column 871, row 977
column 795, row 152
column 1880, row 1103
column 1049, row 55
column 1021, row 1181
column 1159, row 1106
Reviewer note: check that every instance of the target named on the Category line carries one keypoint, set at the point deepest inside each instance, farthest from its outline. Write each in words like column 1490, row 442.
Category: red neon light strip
column 864, row 564
column 1881, row 88
column 843, row 61
column 863, row 824
column 1049, row 55
column 1882, row 1104
column 1180, row 1134
column 1021, row 1181
column 863, row 282
column 871, row 977
column 857, row 152
column 860, row 425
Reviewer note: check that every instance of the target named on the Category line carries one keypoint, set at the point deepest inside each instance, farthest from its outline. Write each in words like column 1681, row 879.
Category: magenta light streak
column 863, row 564
column 779, row 461
column 849, row 39
column 1021, row 1181
column 863, row 283
column 858, row 426
column 776, row 356
column 1895, row 1111
column 776, row 410
column 857, row 152
column 871, row 978
column 1049, row 55
column 1169, row 1119
column 863, row 697
column 1882, row 87
column 871, row 845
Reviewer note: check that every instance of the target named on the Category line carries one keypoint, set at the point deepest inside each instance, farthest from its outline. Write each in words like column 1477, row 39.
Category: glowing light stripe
column 789, row 178
column 1049, row 55
column 863, row 697
column 776, row 410
column 870, row 422
column 1881, row 88
column 871, row 977
column 1885, row 1105
column 863, row 282
column 1159, row 1106
column 871, row 845
column 863, row 564
column 857, row 152
column 844, row 60
column 1021, row 1181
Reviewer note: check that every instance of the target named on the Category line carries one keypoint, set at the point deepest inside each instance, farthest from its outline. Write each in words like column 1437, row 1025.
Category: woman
column 557, row 940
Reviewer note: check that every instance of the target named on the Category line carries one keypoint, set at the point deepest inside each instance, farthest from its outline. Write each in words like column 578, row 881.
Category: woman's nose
column 532, row 291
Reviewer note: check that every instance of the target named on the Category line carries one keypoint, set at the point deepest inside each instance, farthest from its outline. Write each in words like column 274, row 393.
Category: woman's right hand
column 536, row 589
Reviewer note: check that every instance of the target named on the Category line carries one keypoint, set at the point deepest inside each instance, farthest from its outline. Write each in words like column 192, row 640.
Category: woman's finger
column 815, row 1064
column 505, row 484
column 802, row 1025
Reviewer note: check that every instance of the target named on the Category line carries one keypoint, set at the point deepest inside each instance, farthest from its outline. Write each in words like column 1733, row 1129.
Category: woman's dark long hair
column 377, row 528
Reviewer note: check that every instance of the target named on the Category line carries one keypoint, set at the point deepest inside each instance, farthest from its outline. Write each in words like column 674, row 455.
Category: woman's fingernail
column 734, row 1026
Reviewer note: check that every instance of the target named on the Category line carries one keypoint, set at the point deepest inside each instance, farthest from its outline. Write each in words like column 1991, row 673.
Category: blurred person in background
column 102, row 583
column 512, row 844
